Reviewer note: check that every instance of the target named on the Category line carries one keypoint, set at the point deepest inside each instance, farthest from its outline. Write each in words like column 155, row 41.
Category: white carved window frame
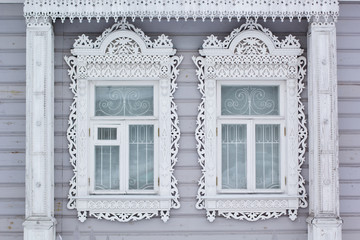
column 218, row 62
column 151, row 61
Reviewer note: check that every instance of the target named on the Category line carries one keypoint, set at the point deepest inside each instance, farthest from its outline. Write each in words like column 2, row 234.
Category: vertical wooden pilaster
column 39, row 220
column 324, row 222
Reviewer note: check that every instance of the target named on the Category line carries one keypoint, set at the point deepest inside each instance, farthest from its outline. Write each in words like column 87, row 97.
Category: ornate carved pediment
column 251, row 53
column 123, row 53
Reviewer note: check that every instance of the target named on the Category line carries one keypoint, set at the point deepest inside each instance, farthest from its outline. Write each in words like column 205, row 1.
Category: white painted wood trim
column 39, row 218
column 143, row 62
column 214, row 65
column 22, row 1
column 324, row 221
column 186, row 9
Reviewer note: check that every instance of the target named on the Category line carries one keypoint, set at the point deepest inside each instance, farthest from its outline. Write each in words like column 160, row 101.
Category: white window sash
column 122, row 141
column 251, row 150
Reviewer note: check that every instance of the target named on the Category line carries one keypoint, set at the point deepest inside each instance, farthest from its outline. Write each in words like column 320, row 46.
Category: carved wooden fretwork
column 123, row 52
column 187, row 9
column 251, row 52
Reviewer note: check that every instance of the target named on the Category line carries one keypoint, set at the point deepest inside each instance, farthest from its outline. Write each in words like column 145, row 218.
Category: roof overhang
column 181, row 9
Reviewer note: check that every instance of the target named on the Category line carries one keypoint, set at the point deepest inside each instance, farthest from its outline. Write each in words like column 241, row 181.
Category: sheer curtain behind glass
column 107, row 160
column 141, row 157
column 250, row 104
column 136, row 155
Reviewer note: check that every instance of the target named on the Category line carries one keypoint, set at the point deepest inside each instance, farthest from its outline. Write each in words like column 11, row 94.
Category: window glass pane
column 249, row 100
column 233, row 156
column 106, row 133
column 267, row 156
column 106, row 167
column 124, row 101
column 141, row 157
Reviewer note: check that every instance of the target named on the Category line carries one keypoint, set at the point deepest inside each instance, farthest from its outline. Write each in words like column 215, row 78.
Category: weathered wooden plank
column 12, row 207
column 349, row 10
column 348, row 74
column 349, row 156
column 348, row 107
column 347, row 25
column 11, row 125
column 18, row 59
column 348, row 41
column 12, row 26
column 14, row 157
column 12, row 91
column 350, row 205
column 348, row 57
column 12, row 41
column 11, row 224
column 349, row 140
column 349, row 123
column 12, row 191
column 349, row 173
column 350, row 189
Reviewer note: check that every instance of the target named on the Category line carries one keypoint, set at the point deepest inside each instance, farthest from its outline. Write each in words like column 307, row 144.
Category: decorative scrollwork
column 123, row 217
column 71, row 131
column 123, row 46
column 163, row 41
column 256, row 54
column 123, row 59
column 248, row 100
column 186, row 9
column 175, row 129
column 252, row 216
column 123, row 101
column 199, row 132
column 303, row 131
column 251, row 46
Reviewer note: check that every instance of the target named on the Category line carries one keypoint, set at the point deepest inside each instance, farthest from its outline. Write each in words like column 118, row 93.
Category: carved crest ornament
column 249, row 53
column 123, row 52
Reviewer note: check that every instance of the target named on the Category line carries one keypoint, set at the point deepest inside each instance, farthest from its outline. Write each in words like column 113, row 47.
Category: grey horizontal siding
column 186, row 222
column 348, row 35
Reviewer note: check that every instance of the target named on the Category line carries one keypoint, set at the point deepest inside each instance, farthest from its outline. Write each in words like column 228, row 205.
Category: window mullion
column 251, row 156
column 123, row 157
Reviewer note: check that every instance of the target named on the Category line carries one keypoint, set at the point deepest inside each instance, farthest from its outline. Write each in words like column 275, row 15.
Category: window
column 251, row 129
column 123, row 127
column 251, row 141
column 124, row 143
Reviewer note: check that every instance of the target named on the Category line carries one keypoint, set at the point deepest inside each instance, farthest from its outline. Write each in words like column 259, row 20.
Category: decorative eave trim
column 176, row 9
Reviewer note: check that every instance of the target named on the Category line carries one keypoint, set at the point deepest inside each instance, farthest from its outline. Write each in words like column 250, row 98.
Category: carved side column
column 39, row 217
column 324, row 222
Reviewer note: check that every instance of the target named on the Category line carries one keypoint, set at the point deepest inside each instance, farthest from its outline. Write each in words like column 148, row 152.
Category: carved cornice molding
column 186, row 9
